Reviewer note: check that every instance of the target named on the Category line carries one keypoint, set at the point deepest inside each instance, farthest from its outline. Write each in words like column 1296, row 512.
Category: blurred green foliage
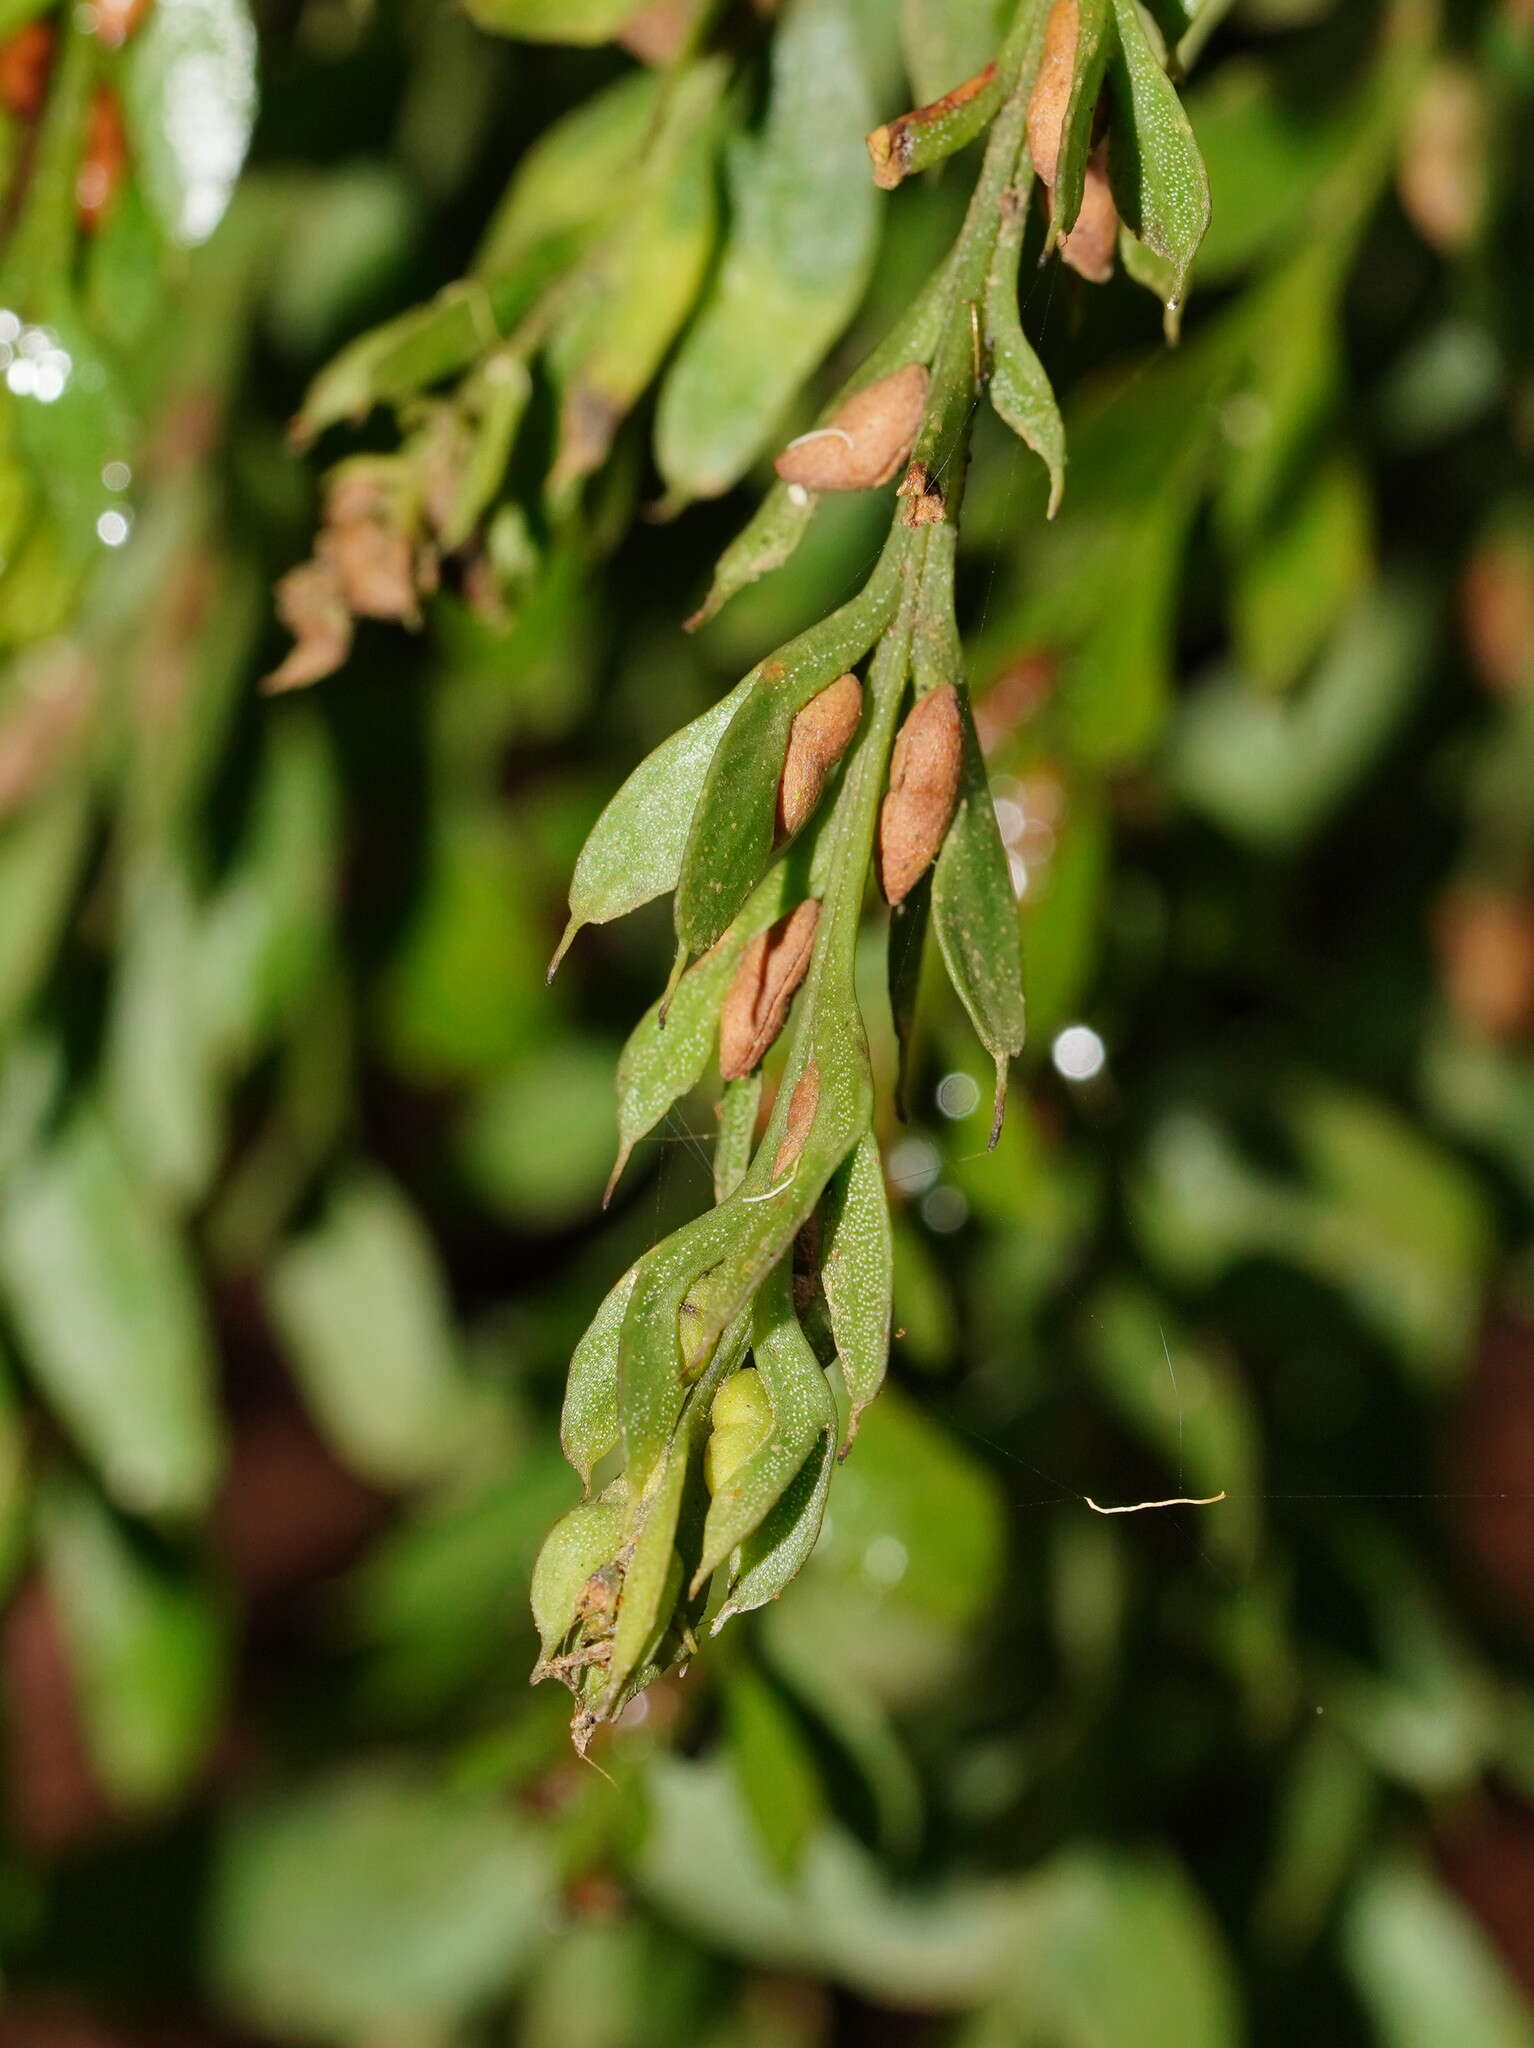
column 301, row 1162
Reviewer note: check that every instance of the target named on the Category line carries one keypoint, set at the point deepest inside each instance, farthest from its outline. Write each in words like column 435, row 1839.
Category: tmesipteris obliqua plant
column 716, row 1388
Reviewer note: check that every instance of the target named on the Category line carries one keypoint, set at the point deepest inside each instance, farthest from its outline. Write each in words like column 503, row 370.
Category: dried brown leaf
column 1052, row 88
column 1093, row 242
column 311, row 606
column 867, row 441
column 26, row 58
column 817, row 739
column 770, row 970
column 1497, row 608
column 801, row 1114
column 924, row 786
column 1485, row 943
column 365, row 543
column 657, row 34
column 1442, row 174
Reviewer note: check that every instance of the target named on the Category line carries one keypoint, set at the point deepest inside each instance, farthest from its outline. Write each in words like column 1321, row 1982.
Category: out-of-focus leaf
column 1302, row 573
column 615, row 1983
column 1425, row 1970
column 917, row 1521
column 1391, row 1220
column 1485, row 1096
column 778, row 1782
column 190, row 663
column 627, row 304
column 538, row 1141
column 924, row 1305
column 858, row 1725
column 347, row 238
column 1405, row 1227
column 70, row 423
column 1443, row 385
column 361, row 1308
column 1285, row 383
column 1117, row 684
column 1062, row 911
column 1266, row 769
column 1195, row 1414
column 420, row 347
column 127, row 276
column 946, row 41
column 190, row 101
column 437, row 1602
column 374, row 1901
column 553, row 21
column 1120, row 1952
column 473, row 925
column 804, row 216
column 265, row 930
column 161, row 1087
column 40, row 856
column 1109, row 1952
column 1422, row 1708
column 569, row 177
column 1264, row 155
column 106, row 1307
column 13, row 1479
column 703, row 1866
column 145, row 1634
column 1323, row 1816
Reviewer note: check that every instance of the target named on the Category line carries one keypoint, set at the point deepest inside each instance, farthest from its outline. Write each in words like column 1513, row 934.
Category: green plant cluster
column 302, row 1162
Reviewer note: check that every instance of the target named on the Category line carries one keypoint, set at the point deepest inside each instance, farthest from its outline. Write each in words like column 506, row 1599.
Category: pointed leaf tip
column 999, row 1104
column 567, row 938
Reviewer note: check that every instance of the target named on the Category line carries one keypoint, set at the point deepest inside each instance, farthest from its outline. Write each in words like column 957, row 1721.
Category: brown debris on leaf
column 924, row 787
column 657, row 32
column 802, row 1105
column 1497, row 609
column 1485, row 942
column 817, row 739
column 1092, row 244
column 368, row 537
column 371, row 560
column 26, row 59
column 1052, row 88
column 310, row 605
column 866, row 442
column 103, row 162
column 922, row 493
column 770, row 970
column 1442, row 173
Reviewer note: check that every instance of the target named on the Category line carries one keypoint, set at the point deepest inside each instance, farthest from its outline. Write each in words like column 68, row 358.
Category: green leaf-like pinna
column 726, row 1371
